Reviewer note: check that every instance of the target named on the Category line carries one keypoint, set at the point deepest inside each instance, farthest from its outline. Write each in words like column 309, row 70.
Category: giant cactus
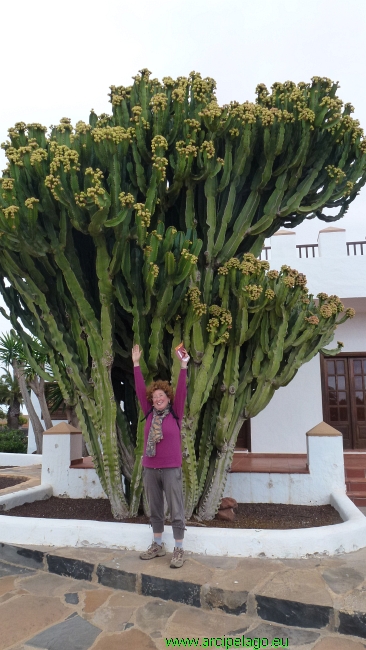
column 144, row 225
column 271, row 326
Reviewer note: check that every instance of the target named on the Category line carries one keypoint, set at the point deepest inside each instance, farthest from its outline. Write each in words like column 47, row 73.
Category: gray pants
column 167, row 480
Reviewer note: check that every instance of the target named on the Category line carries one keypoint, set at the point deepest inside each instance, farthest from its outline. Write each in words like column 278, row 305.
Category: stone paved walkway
column 115, row 601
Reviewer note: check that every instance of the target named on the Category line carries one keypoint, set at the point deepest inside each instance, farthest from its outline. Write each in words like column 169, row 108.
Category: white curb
column 19, row 460
column 295, row 543
column 14, row 499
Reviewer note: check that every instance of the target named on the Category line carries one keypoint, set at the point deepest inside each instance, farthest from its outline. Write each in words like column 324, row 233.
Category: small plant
column 13, row 441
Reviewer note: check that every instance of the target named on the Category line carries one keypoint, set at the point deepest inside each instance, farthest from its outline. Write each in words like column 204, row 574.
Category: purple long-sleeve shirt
column 169, row 449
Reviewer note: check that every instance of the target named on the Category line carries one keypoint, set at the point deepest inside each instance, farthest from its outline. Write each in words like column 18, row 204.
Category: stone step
column 358, row 498
column 356, row 485
column 353, row 472
column 90, row 616
column 360, row 503
column 326, row 596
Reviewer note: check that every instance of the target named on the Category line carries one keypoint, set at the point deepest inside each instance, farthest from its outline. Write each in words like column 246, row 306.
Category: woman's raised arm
column 139, row 380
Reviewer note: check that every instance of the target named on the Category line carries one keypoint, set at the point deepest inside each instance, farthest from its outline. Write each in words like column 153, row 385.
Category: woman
column 162, row 458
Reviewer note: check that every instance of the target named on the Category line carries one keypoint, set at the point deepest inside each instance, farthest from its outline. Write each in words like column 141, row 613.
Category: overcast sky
column 59, row 59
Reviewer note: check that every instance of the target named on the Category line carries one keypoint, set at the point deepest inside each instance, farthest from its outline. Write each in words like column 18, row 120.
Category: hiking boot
column 177, row 558
column 154, row 550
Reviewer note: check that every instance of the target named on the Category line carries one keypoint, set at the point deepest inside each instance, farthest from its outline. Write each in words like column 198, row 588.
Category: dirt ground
column 249, row 515
column 9, row 481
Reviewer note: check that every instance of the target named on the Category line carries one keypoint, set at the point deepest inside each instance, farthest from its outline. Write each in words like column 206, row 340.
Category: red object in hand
column 182, row 352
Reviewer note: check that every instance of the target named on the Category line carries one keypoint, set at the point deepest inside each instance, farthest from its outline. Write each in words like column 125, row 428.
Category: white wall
column 331, row 272
column 293, row 410
column 344, row 276
column 353, row 332
column 315, row 488
column 20, row 460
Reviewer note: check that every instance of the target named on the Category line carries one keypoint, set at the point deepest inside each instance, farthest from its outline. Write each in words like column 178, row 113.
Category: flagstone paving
column 304, row 601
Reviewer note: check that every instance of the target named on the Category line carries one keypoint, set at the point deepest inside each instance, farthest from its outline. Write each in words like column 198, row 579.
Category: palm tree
column 11, row 396
column 12, row 354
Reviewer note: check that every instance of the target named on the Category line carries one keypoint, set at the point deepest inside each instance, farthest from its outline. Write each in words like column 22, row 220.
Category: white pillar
column 332, row 242
column 325, row 460
column 61, row 444
column 283, row 247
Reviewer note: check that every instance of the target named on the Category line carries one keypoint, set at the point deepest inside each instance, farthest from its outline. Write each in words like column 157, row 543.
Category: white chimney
column 332, row 242
column 283, row 246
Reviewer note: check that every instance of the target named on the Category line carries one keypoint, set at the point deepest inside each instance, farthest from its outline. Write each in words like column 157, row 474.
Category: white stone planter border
column 324, row 484
column 297, row 543
column 20, row 460
column 29, row 495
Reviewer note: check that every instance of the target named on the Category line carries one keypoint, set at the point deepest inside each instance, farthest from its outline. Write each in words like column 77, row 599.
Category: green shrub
column 13, row 441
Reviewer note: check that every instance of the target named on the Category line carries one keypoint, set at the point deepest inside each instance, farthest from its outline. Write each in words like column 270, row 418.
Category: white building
column 330, row 389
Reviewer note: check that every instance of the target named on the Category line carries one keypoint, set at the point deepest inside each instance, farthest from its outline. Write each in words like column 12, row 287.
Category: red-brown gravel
column 249, row 515
column 9, row 481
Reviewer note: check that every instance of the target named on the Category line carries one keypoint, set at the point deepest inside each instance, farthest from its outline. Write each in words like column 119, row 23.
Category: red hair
column 159, row 385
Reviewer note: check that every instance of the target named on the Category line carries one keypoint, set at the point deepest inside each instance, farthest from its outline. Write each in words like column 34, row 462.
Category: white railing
column 307, row 250
column 356, row 247
column 311, row 250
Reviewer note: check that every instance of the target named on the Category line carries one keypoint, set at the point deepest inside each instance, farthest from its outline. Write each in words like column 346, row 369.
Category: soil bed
column 249, row 515
column 9, row 481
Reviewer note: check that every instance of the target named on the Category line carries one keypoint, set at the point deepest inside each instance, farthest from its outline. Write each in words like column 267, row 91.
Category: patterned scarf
column 156, row 431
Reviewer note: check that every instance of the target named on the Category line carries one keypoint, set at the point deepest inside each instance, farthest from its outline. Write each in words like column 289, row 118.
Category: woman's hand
column 136, row 354
column 183, row 357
